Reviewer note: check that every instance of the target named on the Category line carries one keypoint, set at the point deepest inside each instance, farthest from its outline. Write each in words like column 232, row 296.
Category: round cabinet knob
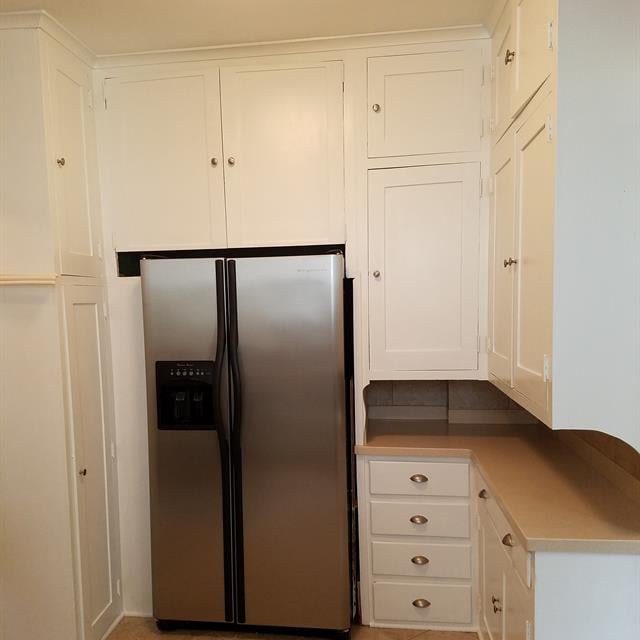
column 61, row 162
column 421, row 603
column 418, row 520
column 509, row 261
column 231, row 161
column 507, row 541
column 484, row 494
column 214, row 162
column 82, row 472
column 418, row 478
column 376, row 107
column 376, row 275
column 420, row 560
column 509, row 56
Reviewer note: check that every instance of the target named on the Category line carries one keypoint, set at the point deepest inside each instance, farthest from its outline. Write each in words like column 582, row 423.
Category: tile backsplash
column 455, row 401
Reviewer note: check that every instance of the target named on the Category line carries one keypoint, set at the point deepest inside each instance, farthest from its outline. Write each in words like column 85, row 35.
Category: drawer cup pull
column 418, row 520
column 418, row 478
column 421, row 603
column 420, row 560
column 507, row 541
column 484, row 494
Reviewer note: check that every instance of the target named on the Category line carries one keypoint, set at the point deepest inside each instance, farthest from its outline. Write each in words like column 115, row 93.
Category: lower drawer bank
column 564, row 567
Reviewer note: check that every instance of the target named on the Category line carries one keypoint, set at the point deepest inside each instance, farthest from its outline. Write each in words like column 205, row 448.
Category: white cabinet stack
column 564, row 311
column 243, row 156
column 59, row 550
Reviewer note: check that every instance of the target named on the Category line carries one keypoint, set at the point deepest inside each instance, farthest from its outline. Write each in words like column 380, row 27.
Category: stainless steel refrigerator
column 248, row 440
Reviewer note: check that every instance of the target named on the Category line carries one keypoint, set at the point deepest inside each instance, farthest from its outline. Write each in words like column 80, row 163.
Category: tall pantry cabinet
column 59, row 539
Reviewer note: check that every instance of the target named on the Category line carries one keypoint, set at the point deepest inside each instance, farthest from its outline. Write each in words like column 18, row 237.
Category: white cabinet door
column 423, row 268
column 535, row 161
column 502, row 250
column 425, row 103
column 166, row 185
column 493, row 564
column 94, row 468
column 503, row 49
column 74, row 163
column 534, row 60
column 283, row 154
column 518, row 608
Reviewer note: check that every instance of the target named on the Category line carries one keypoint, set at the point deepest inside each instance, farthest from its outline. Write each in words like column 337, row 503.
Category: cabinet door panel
column 493, row 563
column 535, row 159
column 534, row 59
column 283, row 133
column 94, row 471
column 518, row 608
column 423, row 241
column 425, row 103
column 503, row 47
column 164, row 131
column 502, row 248
column 74, row 163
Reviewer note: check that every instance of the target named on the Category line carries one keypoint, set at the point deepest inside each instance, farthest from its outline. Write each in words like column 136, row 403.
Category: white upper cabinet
column 503, row 52
column 73, row 163
column 283, row 145
column 165, row 160
column 423, row 268
column 533, row 59
column 501, row 252
column 425, row 103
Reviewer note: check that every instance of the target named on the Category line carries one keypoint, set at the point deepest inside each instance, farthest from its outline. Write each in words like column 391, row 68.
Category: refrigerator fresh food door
column 289, row 441
column 189, row 466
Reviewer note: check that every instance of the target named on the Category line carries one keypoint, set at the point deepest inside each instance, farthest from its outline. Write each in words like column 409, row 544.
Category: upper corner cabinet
column 73, row 162
column 283, row 141
column 425, row 103
column 533, row 56
column 164, row 170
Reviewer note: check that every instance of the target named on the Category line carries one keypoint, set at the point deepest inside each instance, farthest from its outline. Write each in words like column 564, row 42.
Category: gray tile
column 472, row 394
column 379, row 394
column 420, row 394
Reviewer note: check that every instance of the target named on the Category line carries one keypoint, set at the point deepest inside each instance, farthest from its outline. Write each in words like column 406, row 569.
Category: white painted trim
column 115, row 623
column 137, row 614
column 22, row 279
column 491, row 416
column 287, row 47
column 407, row 413
column 39, row 19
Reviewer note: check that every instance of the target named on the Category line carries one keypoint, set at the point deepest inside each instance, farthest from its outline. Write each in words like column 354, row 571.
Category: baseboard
column 138, row 614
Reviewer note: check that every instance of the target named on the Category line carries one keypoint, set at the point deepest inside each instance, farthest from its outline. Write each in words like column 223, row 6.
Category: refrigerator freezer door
column 183, row 301
column 290, row 443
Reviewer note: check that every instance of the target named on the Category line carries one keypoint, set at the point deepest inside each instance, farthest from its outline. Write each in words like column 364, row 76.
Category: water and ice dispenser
column 185, row 394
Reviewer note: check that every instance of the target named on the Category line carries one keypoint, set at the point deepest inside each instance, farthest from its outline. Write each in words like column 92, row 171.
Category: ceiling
column 123, row 26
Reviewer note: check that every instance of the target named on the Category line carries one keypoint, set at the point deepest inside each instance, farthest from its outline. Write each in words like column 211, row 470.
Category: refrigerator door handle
column 223, row 443
column 236, row 425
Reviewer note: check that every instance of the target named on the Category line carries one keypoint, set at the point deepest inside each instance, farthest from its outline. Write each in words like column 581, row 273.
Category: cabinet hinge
column 549, row 128
column 492, row 125
column 482, row 128
column 104, row 311
column 118, row 588
column 113, row 450
column 482, row 76
column 550, row 34
column 546, row 368
column 90, row 99
column 493, row 72
column 492, row 185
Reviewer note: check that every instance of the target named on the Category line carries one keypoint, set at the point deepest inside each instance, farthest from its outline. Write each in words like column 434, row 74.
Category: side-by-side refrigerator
column 248, row 440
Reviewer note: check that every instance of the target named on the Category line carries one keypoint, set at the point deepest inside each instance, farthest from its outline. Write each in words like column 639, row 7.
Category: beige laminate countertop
column 554, row 500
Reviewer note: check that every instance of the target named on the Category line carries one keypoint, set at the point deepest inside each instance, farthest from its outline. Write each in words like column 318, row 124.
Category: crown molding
column 299, row 46
column 49, row 25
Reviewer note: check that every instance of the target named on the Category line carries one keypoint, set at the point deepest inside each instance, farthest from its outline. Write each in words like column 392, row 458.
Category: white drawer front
column 520, row 557
column 419, row 478
column 447, row 603
column 421, row 560
column 442, row 520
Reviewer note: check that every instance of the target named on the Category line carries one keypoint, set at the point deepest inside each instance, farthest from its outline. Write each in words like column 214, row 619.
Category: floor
column 145, row 629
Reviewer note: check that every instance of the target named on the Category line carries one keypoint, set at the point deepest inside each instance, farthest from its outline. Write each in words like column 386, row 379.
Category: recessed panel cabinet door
column 533, row 62
column 535, row 159
column 423, row 268
column 502, row 255
column 503, row 48
column 93, row 465
column 165, row 161
column 425, row 103
column 283, row 154
column 74, row 164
